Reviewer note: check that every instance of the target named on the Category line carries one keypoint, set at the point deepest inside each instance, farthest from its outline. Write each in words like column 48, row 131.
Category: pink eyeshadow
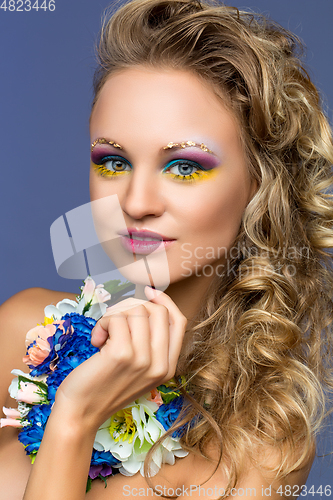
column 101, row 150
column 206, row 160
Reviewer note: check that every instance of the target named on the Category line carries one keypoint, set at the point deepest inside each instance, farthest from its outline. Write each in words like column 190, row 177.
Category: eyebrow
column 101, row 140
column 170, row 145
column 188, row 144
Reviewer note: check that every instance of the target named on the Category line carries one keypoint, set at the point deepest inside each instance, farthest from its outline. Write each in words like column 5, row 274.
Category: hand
column 141, row 343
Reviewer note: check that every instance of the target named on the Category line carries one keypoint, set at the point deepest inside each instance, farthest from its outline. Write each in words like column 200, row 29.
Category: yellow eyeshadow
column 198, row 176
column 105, row 172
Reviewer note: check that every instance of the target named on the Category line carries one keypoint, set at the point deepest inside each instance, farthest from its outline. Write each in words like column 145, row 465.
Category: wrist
column 71, row 423
column 65, row 451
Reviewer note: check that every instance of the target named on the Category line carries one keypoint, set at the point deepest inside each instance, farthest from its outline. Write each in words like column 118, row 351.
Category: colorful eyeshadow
column 197, row 172
column 194, row 164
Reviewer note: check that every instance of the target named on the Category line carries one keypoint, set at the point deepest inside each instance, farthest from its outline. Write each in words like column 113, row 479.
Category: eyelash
column 107, row 172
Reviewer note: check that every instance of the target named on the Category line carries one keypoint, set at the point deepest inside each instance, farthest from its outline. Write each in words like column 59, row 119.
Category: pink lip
column 158, row 241
column 144, row 233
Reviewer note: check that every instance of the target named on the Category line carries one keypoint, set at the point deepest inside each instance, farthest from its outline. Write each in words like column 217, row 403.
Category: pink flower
column 41, row 348
column 156, row 397
column 12, row 418
column 28, row 393
column 40, row 332
column 93, row 293
column 88, row 289
column 11, row 412
column 101, row 295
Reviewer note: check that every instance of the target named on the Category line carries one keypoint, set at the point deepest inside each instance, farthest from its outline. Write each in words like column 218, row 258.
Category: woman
column 211, row 135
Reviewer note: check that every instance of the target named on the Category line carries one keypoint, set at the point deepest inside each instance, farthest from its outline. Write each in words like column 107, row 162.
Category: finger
column 140, row 331
column 158, row 297
column 160, row 339
column 119, row 342
column 124, row 305
column 99, row 332
column 177, row 322
column 137, row 331
column 159, row 324
column 99, row 335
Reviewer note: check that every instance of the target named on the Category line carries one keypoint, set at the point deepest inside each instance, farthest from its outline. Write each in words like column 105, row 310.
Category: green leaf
column 114, row 286
column 88, row 487
column 167, row 398
column 169, row 390
column 103, row 479
column 32, row 455
column 167, row 393
column 40, row 384
column 87, row 307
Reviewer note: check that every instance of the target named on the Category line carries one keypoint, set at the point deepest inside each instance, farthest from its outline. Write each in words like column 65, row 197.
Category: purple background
column 47, row 63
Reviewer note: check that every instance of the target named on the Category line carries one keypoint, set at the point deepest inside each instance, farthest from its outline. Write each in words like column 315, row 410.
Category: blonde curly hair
column 258, row 360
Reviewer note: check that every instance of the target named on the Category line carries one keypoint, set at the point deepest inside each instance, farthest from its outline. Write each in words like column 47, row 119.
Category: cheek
column 93, row 185
column 214, row 217
column 99, row 187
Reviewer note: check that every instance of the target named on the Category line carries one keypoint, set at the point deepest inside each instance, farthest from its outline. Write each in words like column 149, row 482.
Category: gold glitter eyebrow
column 104, row 141
column 170, row 145
column 186, row 144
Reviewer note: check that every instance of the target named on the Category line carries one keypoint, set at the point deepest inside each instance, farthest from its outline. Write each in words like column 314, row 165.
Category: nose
column 143, row 196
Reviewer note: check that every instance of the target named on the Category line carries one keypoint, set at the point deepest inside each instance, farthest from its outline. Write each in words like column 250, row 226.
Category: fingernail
column 150, row 292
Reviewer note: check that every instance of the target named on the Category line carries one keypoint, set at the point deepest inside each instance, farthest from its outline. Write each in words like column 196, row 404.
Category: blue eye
column 115, row 163
column 183, row 169
column 112, row 165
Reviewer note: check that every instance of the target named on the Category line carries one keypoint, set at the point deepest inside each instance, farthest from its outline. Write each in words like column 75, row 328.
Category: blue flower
column 32, row 435
column 100, row 464
column 53, row 381
column 78, row 345
column 69, row 347
column 82, row 324
column 168, row 413
column 103, row 457
column 73, row 351
column 56, row 343
column 66, row 345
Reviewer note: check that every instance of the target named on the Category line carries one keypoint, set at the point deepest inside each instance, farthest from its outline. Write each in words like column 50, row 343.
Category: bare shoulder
column 19, row 314
column 31, row 303
column 256, row 480
column 292, row 484
column 194, row 476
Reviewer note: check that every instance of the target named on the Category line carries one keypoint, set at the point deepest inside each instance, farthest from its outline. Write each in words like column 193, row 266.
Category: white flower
column 90, row 302
column 63, row 307
column 129, row 435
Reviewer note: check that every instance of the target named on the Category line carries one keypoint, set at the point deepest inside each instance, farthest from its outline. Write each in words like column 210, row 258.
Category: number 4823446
column 295, row 491
column 27, row 5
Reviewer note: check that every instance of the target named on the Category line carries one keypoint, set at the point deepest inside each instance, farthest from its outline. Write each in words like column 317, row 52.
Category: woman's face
column 192, row 196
